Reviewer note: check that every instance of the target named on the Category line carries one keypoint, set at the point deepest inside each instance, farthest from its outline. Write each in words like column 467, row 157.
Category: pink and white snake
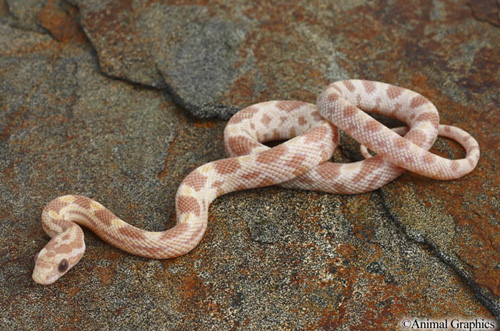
column 301, row 162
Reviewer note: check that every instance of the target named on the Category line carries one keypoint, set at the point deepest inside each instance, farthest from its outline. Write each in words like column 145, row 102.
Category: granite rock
column 214, row 58
column 272, row 257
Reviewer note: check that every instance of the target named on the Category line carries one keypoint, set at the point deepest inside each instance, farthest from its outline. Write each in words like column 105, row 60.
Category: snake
column 311, row 135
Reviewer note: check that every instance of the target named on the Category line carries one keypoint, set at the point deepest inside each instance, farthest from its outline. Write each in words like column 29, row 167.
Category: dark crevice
column 13, row 24
column 489, row 300
column 189, row 109
column 123, row 79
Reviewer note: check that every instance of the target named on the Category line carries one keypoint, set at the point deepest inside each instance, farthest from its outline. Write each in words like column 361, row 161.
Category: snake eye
column 63, row 265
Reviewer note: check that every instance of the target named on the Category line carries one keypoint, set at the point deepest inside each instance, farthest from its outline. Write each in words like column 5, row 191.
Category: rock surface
column 94, row 100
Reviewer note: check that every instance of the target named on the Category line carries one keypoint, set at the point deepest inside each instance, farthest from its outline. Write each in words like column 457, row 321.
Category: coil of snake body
column 301, row 162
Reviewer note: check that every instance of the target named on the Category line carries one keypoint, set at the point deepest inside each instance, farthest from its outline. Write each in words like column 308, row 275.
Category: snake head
column 60, row 254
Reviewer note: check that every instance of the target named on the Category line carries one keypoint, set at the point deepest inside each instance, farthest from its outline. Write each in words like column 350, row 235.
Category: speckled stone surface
column 97, row 98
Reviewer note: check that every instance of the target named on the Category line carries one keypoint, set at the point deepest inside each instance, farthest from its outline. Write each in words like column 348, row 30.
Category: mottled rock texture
column 98, row 97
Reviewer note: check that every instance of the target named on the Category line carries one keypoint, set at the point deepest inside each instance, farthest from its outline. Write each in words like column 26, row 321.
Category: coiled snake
column 298, row 163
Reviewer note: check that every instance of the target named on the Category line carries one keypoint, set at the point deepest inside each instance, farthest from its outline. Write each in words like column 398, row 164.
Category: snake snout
column 60, row 254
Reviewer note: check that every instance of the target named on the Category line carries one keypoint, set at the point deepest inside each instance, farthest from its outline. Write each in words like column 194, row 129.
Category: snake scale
column 301, row 162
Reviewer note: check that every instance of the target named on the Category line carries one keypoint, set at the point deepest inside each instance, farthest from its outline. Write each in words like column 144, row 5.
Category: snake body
column 298, row 163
